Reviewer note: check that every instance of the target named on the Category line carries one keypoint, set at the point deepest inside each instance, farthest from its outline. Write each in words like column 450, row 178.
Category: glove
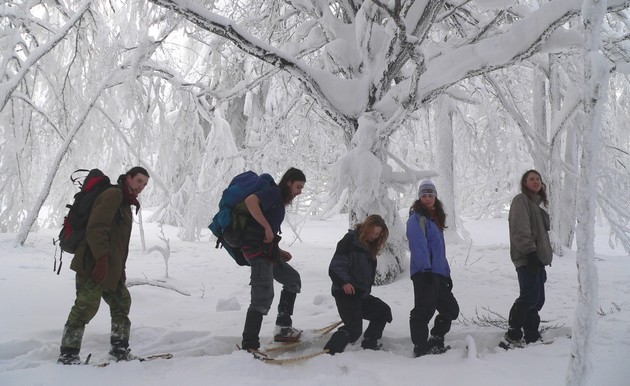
column 101, row 268
column 286, row 256
column 425, row 277
column 533, row 264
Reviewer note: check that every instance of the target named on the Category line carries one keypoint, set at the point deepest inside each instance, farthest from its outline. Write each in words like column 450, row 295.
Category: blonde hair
column 375, row 247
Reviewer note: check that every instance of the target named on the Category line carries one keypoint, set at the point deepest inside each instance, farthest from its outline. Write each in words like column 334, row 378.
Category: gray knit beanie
column 427, row 187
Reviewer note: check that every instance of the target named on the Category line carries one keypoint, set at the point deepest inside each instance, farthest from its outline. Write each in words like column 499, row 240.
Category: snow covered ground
column 202, row 329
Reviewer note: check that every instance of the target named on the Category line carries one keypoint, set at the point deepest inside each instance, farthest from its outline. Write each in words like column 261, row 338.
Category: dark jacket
column 352, row 264
column 529, row 231
column 107, row 233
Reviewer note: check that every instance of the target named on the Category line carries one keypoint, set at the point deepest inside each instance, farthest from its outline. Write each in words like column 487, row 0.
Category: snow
column 203, row 329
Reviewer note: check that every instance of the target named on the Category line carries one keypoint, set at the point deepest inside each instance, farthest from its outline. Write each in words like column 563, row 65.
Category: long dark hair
column 543, row 188
column 373, row 220
column 438, row 215
column 290, row 175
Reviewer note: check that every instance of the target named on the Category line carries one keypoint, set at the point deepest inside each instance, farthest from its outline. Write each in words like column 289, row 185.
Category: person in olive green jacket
column 99, row 263
column 530, row 250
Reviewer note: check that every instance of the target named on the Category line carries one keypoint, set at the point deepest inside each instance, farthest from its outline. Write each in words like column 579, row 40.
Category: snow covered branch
column 313, row 79
column 155, row 283
column 8, row 86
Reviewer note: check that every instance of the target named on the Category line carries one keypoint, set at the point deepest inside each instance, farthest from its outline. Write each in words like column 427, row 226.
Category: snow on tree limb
column 155, row 283
column 523, row 39
column 312, row 79
column 7, row 87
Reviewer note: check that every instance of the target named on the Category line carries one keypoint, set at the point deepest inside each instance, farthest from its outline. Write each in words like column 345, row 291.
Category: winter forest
column 366, row 97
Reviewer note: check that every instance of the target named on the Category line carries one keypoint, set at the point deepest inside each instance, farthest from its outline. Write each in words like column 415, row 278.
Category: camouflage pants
column 89, row 294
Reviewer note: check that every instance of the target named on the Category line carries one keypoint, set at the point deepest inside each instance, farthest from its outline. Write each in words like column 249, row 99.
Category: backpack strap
column 75, row 180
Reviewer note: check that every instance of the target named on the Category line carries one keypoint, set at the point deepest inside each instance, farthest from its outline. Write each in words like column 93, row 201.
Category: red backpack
column 74, row 226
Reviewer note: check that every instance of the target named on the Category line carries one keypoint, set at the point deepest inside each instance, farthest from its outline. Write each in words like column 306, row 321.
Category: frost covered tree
column 367, row 97
column 596, row 76
column 371, row 64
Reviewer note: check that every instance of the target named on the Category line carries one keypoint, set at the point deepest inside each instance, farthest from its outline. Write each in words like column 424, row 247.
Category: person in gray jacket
column 352, row 271
column 530, row 251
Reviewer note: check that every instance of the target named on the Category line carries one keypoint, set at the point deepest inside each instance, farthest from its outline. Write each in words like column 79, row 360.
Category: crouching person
column 352, row 270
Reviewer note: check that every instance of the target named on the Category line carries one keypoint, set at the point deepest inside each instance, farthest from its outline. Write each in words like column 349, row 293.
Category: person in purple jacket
column 430, row 273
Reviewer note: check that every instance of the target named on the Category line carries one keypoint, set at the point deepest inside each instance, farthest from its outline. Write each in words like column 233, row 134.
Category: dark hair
column 132, row 173
column 543, row 187
column 438, row 215
column 290, row 175
column 364, row 229
column 137, row 170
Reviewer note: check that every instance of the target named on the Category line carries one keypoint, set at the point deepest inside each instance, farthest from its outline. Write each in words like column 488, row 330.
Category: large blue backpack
column 228, row 224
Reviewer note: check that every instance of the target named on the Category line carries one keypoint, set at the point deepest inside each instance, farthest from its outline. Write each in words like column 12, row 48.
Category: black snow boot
column 337, row 342
column 285, row 308
column 120, row 351
column 436, row 341
column 371, row 344
column 69, row 356
column 253, row 322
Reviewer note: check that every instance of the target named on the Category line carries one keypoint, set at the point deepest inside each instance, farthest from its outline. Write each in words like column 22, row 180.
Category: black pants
column 353, row 309
column 431, row 292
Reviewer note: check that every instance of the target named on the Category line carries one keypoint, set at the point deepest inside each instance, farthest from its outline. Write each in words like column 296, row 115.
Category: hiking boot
column 69, row 359
column 533, row 338
column 286, row 334
column 371, row 344
column 121, row 354
column 419, row 351
column 337, row 342
column 436, row 341
column 508, row 342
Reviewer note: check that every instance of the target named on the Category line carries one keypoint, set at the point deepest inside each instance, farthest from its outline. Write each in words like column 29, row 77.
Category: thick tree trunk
column 595, row 85
column 445, row 156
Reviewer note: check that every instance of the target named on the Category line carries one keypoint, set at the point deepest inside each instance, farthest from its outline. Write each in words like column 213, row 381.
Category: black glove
column 425, row 277
column 533, row 264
